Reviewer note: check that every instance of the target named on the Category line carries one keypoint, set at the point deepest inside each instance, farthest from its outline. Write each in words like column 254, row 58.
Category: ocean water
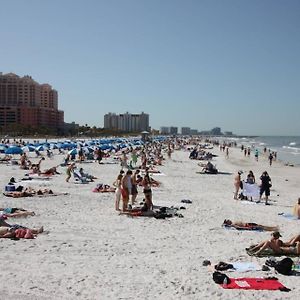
column 287, row 147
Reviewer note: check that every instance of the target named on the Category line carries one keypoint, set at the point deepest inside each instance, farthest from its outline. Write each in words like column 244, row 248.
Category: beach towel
column 252, row 228
column 251, row 190
column 255, row 284
column 240, row 267
column 269, row 252
column 288, row 216
column 245, row 267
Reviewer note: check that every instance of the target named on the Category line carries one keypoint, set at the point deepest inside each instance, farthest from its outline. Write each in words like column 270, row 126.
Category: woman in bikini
column 147, row 191
column 237, row 184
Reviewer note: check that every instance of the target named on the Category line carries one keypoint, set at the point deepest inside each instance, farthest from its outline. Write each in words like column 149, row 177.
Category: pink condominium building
column 26, row 102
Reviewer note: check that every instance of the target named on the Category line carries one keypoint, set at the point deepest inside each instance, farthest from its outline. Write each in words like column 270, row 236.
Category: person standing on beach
column 256, row 154
column 118, row 185
column 147, row 191
column 126, row 186
column 134, row 157
column 134, row 191
column 237, row 184
column 69, row 171
column 265, row 186
column 227, row 152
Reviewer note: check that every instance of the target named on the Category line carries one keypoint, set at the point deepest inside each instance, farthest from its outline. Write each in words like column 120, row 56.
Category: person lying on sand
column 103, row 188
column 6, row 232
column 51, row 171
column 277, row 245
column 86, row 175
column 29, row 192
column 12, row 212
column 17, row 226
column 250, row 226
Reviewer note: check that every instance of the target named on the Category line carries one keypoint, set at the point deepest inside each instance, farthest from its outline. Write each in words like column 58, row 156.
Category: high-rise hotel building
column 24, row 101
column 127, row 122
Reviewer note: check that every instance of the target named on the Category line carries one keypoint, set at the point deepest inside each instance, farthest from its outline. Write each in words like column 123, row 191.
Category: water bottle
column 225, row 282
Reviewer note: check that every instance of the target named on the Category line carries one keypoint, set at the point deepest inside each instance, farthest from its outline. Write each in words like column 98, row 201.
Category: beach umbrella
column 65, row 146
column 28, row 148
column 13, row 150
column 41, row 148
column 105, row 147
column 73, row 152
column 2, row 148
column 53, row 146
column 88, row 149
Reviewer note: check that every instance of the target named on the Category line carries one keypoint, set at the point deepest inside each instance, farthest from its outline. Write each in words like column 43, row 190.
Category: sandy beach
column 89, row 251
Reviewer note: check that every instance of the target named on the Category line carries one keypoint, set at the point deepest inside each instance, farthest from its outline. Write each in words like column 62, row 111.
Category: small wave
column 262, row 144
column 295, row 153
column 292, row 144
column 291, row 148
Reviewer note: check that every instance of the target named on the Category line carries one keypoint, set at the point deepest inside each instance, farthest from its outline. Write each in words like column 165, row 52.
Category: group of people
column 264, row 185
column 127, row 189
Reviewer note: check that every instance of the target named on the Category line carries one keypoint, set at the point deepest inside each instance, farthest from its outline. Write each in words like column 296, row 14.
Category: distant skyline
column 200, row 64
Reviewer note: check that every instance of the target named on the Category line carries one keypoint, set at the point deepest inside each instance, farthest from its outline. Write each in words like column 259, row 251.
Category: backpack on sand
column 284, row 266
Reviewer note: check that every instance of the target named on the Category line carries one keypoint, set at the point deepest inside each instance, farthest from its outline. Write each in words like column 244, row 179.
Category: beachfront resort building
column 25, row 102
column 127, row 122
column 185, row 130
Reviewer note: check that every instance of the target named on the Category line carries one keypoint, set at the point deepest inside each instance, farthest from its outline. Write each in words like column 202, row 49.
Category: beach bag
column 284, row 266
column 220, row 278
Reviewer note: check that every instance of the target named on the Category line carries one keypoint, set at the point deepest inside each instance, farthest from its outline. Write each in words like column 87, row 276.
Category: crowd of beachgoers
column 136, row 181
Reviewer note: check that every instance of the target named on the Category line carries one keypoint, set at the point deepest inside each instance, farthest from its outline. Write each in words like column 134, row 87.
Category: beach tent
column 13, row 150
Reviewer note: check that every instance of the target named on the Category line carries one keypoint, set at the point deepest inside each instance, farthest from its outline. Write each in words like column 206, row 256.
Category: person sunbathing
column 28, row 192
column 86, row 175
column 51, row 171
column 17, row 226
column 274, row 244
column 250, row 226
column 278, row 246
column 6, row 232
column 103, row 188
column 12, row 212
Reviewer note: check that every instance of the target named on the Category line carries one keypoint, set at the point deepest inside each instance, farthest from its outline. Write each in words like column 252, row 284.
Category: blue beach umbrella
column 41, row 148
column 13, row 150
column 28, row 148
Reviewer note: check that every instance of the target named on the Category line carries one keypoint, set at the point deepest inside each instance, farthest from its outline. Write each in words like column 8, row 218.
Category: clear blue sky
column 233, row 64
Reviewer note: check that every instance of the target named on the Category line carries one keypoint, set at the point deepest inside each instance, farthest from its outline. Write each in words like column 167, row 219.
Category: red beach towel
column 254, row 284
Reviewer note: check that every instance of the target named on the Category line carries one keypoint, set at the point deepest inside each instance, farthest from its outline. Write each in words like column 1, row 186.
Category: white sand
column 93, row 253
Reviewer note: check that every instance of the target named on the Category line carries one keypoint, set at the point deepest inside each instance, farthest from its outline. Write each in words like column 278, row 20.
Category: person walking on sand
column 69, row 171
column 270, row 158
column 227, row 152
column 237, row 184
